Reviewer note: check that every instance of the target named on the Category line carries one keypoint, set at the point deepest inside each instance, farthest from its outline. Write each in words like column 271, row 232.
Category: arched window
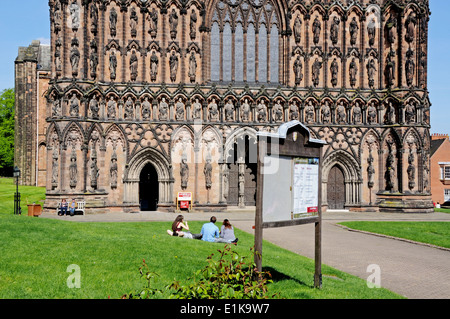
column 244, row 42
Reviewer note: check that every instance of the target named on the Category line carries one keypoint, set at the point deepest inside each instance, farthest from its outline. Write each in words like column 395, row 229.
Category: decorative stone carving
column 113, row 170
column 196, row 110
column 93, row 106
column 173, row 24
column 55, row 169
column 192, row 25
column 371, row 31
column 179, row 112
column 371, row 72
column 357, row 113
column 278, row 112
column 74, row 106
column 372, row 114
column 163, row 110
column 184, row 173
column 316, row 27
column 353, row 31
column 74, row 57
column 261, row 112
column 411, row 171
column 410, row 113
column 390, row 113
column 57, row 17
column 56, row 110
column 317, row 65
column 111, row 108
column 213, row 110
column 133, row 22
column 341, row 114
column 391, row 28
column 353, row 71
column 293, row 111
column 297, row 30
column 334, row 30
column 173, row 64
column 94, row 169
column 410, row 25
column 113, row 22
column 390, row 70
column 129, row 109
column 326, row 113
column 146, row 109
column 74, row 10
column 229, row 111
column 192, row 67
column 410, row 67
column 94, row 18
column 334, row 68
column 245, row 111
column 133, row 66
column 73, row 169
column 309, row 113
column 154, row 61
column 93, row 60
column 298, row 70
column 208, row 173
column 112, row 65
column 153, row 23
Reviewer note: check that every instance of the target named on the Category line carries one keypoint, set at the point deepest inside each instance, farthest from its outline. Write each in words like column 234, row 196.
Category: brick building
column 148, row 98
column 440, row 169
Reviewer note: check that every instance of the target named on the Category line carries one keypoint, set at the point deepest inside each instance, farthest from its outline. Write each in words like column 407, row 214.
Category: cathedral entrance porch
column 148, row 188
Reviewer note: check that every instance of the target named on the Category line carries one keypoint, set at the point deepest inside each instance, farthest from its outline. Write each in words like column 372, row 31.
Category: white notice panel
column 305, row 188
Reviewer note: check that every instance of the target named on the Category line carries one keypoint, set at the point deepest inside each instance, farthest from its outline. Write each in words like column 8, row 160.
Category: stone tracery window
column 244, row 41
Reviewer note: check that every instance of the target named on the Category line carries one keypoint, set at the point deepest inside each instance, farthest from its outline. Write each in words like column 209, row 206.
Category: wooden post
column 258, row 213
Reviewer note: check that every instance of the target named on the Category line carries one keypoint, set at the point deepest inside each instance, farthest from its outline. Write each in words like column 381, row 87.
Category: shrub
column 147, row 292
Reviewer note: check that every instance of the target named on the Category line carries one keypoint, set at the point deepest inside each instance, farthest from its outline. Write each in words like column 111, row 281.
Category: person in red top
column 177, row 229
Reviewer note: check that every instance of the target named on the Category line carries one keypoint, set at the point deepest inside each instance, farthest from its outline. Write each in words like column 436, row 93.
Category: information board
column 305, row 188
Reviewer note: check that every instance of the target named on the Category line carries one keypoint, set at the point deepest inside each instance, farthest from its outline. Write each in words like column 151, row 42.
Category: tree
column 7, row 100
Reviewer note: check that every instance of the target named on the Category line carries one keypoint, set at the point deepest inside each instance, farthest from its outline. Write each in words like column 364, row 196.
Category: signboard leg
column 318, row 255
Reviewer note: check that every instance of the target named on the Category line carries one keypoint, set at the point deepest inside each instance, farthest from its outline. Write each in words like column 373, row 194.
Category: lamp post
column 16, row 174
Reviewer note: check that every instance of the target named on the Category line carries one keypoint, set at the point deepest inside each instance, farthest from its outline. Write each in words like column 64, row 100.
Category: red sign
column 184, row 204
column 313, row 209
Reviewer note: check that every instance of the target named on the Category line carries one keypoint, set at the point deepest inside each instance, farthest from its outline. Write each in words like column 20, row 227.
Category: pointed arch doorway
column 148, row 188
column 336, row 188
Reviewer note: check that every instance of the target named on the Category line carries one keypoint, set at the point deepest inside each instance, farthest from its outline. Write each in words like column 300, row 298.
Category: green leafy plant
column 147, row 292
column 231, row 276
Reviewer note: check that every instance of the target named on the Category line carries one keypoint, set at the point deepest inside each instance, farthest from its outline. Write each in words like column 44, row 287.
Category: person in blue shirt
column 210, row 232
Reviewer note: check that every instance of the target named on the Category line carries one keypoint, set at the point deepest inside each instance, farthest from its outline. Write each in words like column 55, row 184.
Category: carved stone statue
column 353, row 71
column 173, row 63
column 390, row 172
column 278, row 111
column 73, row 169
column 245, row 111
column 410, row 25
column 57, row 17
column 74, row 59
column 74, row 10
column 326, row 113
column 112, row 106
column 309, row 113
column 153, row 23
column 213, row 111
column 410, row 68
column 411, row 171
column 129, row 109
column 197, row 110
column 55, row 169
column 192, row 67
column 173, row 23
column 94, row 18
column 390, row 70
column 133, row 66
column 334, row 30
column 229, row 111
column 334, row 68
column 372, row 114
column 370, row 171
column 112, row 65
column 371, row 31
column 261, row 111
column 93, row 106
column 58, row 64
column 93, row 61
column 371, row 72
column 94, row 171
column 192, row 25
column 317, row 27
column 293, row 111
column 179, row 112
column 163, row 110
column 298, row 70
column 317, row 65
column 208, row 173
column 357, row 114
column 56, row 110
column 391, row 27
column 113, row 22
column 353, row 31
column 113, row 170
column 390, row 113
column 146, row 109
column 154, row 61
column 184, row 173
column 410, row 113
column 133, row 22
column 297, row 30
column 74, row 106
column 341, row 114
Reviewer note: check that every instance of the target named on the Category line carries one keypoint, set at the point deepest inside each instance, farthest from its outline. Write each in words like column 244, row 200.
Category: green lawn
column 36, row 253
column 442, row 210
column 28, row 195
column 434, row 233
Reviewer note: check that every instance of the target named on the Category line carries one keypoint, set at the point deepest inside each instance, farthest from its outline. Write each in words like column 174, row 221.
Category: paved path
column 412, row 270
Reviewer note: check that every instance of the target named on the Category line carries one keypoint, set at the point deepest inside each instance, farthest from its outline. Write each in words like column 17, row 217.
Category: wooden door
column 336, row 189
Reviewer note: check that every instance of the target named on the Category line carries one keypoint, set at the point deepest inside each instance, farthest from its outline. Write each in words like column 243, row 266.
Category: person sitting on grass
column 63, row 208
column 227, row 232
column 178, row 226
column 211, row 234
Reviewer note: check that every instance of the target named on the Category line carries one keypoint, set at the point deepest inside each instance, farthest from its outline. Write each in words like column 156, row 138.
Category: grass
column 28, row 195
column 442, row 210
column 434, row 233
column 36, row 253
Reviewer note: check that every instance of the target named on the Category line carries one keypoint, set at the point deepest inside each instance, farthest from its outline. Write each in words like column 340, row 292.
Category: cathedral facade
column 150, row 98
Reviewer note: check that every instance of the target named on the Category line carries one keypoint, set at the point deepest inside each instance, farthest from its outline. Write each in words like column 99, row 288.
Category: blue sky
column 26, row 20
